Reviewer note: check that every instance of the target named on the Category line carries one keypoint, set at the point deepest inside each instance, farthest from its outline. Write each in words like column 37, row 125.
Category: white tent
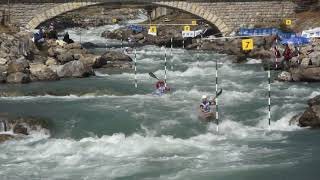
column 312, row 33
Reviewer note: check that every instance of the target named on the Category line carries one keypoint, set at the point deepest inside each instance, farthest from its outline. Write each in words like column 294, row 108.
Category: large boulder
column 41, row 72
column 74, row 69
column 18, row 77
column 92, row 61
column 284, row 76
column 311, row 117
column 51, row 61
column 114, row 56
column 307, row 74
column 18, row 65
column 20, row 126
column 65, row 57
column 5, row 137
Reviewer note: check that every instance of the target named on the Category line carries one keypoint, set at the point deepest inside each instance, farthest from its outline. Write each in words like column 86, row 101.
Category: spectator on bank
column 287, row 55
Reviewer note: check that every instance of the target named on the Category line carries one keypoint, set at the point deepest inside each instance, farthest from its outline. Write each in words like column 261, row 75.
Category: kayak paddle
column 218, row 94
column 153, row 75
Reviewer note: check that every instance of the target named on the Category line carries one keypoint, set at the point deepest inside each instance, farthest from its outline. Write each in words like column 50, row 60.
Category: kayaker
column 161, row 87
column 205, row 104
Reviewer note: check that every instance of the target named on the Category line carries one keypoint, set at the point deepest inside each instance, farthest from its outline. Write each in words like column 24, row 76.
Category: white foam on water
column 99, row 74
column 314, row 94
column 235, row 130
column 125, row 155
column 254, row 61
column 280, row 125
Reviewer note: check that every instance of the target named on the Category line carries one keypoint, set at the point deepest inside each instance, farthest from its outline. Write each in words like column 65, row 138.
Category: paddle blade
column 153, row 75
column 219, row 93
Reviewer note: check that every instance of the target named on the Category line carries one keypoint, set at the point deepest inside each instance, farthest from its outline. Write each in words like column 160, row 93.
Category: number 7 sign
column 247, row 44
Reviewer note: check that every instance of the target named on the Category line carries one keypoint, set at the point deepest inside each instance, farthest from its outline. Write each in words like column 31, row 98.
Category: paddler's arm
column 212, row 102
column 201, row 108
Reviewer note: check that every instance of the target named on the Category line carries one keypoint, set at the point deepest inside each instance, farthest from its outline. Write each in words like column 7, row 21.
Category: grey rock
column 18, row 77
column 74, row 69
column 40, row 72
column 65, row 57
column 114, row 56
column 306, row 74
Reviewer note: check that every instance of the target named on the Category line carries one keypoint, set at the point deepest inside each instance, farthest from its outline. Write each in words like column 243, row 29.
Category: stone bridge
column 226, row 15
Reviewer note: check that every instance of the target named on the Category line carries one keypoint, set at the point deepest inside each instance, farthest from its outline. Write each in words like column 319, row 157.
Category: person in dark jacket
column 67, row 39
column 287, row 55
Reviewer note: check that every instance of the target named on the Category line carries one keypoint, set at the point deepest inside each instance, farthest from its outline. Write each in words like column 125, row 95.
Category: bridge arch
column 192, row 8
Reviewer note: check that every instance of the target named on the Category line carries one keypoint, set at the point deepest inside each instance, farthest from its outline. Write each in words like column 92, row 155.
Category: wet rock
column 5, row 137
column 294, row 120
column 41, row 72
column 114, row 56
column 92, row 61
column 284, row 76
column 18, row 77
column 20, row 129
column 21, row 126
column 119, row 65
column 74, row 69
column 306, row 74
column 311, row 116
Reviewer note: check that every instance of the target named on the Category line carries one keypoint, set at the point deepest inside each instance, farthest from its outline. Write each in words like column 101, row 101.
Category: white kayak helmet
column 204, row 97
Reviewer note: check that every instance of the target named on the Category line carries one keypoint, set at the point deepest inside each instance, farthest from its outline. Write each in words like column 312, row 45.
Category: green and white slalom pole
column 217, row 109
column 269, row 96
column 183, row 43
column 135, row 67
column 121, row 41
column 198, row 49
column 171, row 47
column 165, row 66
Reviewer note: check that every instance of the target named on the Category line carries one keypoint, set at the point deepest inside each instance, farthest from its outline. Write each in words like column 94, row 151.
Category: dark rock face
column 20, row 129
column 20, row 126
column 311, row 117
column 74, row 69
column 5, row 137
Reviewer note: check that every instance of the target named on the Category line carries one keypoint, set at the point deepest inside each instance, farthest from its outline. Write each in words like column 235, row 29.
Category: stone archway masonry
column 226, row 16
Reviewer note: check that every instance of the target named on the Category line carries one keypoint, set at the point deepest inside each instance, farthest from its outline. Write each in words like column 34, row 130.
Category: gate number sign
column 247, row 44
column 153, row 29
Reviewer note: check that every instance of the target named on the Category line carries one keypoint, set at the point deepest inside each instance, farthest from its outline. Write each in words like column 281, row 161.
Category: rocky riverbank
column 21, row 61
column 311, row 116
column 309, row 69
column 20, row 127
